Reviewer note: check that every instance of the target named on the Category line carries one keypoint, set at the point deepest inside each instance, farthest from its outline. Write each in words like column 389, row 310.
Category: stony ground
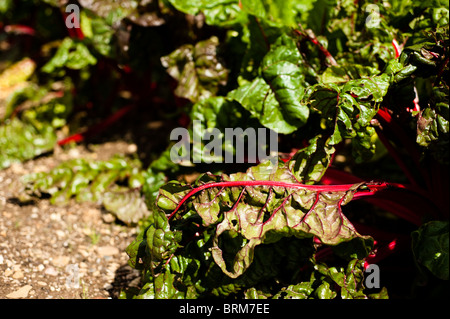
column 61, row 252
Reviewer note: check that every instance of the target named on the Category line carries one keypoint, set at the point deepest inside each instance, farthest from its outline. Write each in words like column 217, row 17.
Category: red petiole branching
column 372, row 188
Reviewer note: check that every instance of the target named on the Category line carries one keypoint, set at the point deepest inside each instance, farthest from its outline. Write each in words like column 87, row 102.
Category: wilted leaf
column 127, row 206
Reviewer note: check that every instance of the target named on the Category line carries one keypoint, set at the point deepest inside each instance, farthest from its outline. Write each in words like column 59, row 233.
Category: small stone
column 20, row 293
column 61, row 261
column 17, row 168
column 60, row 233
column 132, row 148
column 74, row 153
column 55, row 217
column 108, row 286
column 8, row 272
column 107, row 251
column 18, row 274
column 51, row 271
column 108, row 218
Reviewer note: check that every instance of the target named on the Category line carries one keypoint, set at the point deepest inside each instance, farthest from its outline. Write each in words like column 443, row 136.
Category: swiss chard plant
column 360, row 117
column 357, row 93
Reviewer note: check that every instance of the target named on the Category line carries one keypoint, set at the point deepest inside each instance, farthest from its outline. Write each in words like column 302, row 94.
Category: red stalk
column 73, row 32
column 411, row 204
column 387, row 249
column 19, row 29
column 397, row 48
column 391, row 127
column 393, row 152
column 78, row 137
column 311, row 37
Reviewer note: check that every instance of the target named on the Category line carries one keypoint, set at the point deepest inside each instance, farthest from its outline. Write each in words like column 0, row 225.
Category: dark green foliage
column 326, row 75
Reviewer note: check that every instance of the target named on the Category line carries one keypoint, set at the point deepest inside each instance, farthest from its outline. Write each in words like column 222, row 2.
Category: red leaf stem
column 405, row 201
column 78, row 137
column 311, row 37
column 396, row 156
column 19, row 29
column 391, row 127
column 75, row 33
column 387, row 249
column 397, row 48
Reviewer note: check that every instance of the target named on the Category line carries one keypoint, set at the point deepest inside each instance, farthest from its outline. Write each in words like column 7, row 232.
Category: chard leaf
column 263, row 212
column 332, row 282
column 298, row 291
column 71, row 54
column 14, row 84
column 310, row 163
column 350, row 281
column 277, row 12
column 21, row 141
column 216, row 12
column 348, row 110
column 94, row 182
column 197, row 68
column 275, row 97
column 433, row 125
column 430, row 245
column 155, row 244
column 216, row 116
column 163, row 286
column 128, row 206
column 15, row 74
column 258, row 98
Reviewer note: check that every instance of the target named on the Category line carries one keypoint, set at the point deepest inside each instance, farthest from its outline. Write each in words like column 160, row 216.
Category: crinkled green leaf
column 264, row 214
column 16, row 73
column 71, row 54
column 128, row 206
column 21, row 141
column 433, row 125
column 163, row 286
column 430, row 245
column 155, row 244
column 197, row 68
column 351, row 281
column 95, row 182
column 216, row 12
column 302, row 290
column 275, row 97
column 259, row 100
column 310, row 163
column 278, row 12
column 216, row 115
column 332, row 282
column 349, row 109
column 282, row 69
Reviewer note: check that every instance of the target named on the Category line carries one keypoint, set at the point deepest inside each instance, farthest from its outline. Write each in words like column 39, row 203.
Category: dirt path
column 70, row 252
